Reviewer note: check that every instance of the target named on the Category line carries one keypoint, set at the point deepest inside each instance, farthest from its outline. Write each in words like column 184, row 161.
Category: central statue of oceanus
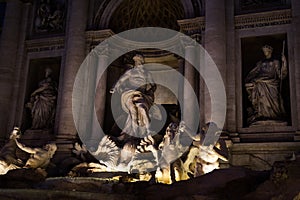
column 137, row 88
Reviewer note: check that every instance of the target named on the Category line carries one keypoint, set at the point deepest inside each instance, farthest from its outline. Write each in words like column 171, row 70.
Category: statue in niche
column 42, row 103
column 137, row 88
column 263, row 85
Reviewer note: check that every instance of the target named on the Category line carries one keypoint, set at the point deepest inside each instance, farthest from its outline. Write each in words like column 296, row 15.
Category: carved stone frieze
column 50, row 16
column 192, row 27
column 45, row 44
column 256, row 20
column 93, row 38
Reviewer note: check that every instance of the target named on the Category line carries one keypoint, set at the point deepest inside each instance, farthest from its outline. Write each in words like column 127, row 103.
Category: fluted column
column 231, row 82
column 100, row 95
column 17, row 102
column 189, row 113
column 180, row 82
column 101, row 87
column 75, row 54
column 296, row 46
column 8, row 52
column 215, row 44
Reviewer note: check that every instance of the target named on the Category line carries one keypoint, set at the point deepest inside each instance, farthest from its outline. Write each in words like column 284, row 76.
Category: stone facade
column 220, row 26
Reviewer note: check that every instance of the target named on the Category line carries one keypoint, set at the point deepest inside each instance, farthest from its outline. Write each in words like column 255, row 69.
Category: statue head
column 172, row 130
column 51, row 148
column 16, row 133
column 267, row 51
column 48, row 72
column 138, row 59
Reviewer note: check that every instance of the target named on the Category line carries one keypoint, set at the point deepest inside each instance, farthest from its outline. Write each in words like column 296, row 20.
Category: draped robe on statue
column 263, row 88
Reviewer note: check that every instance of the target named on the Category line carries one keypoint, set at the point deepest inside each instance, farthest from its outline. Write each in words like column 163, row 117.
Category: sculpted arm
column 250, row 78
column 24, row 148
column 38, row 90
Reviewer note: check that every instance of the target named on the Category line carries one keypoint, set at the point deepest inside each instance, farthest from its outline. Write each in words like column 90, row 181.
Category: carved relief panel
column 50, row 16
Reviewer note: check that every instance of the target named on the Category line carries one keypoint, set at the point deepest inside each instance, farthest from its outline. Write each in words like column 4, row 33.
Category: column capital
column 187, row 41
column 102, row 49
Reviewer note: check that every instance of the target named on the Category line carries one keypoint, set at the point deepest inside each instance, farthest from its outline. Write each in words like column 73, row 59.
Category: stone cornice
column 245, row 21
column 93, row 38
column 166, row 45
column 190, row 26
column 255, row 20
column 45, row 44
column 98, row 35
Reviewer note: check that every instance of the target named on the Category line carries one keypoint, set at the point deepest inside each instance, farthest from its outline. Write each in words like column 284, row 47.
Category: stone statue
column 8, row 158
column 113, row 157
column 137, row 89
column 42, row 16
column 164, row 161
column 202, row 159
column 263, row 85
column 49, row 16
column 43, row 102
column 39, row 157
column 56, row 20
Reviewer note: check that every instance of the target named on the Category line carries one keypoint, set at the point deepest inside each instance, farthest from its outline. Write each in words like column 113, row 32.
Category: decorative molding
column 271, row 18
column 124, row 45
column 93, row 38
column 187, row 42
column 45, row 44
column 102, row 50
column 192, row 26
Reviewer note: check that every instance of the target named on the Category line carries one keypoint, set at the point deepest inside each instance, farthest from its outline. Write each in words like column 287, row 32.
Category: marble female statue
column 42, row 103
column 263, row 85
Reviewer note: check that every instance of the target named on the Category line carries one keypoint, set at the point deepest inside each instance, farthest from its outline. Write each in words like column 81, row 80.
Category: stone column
column 189, row 114
column 100, row 96
column 231, row 87
column 215, row 43
column 17, row 107
column 75, row 54
column 180, row 84
column 296, row 46
column 8, row 52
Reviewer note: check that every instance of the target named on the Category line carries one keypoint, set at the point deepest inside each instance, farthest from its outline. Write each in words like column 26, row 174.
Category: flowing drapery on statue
column 137, row 89
column 43, row 102
column 263, row 85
